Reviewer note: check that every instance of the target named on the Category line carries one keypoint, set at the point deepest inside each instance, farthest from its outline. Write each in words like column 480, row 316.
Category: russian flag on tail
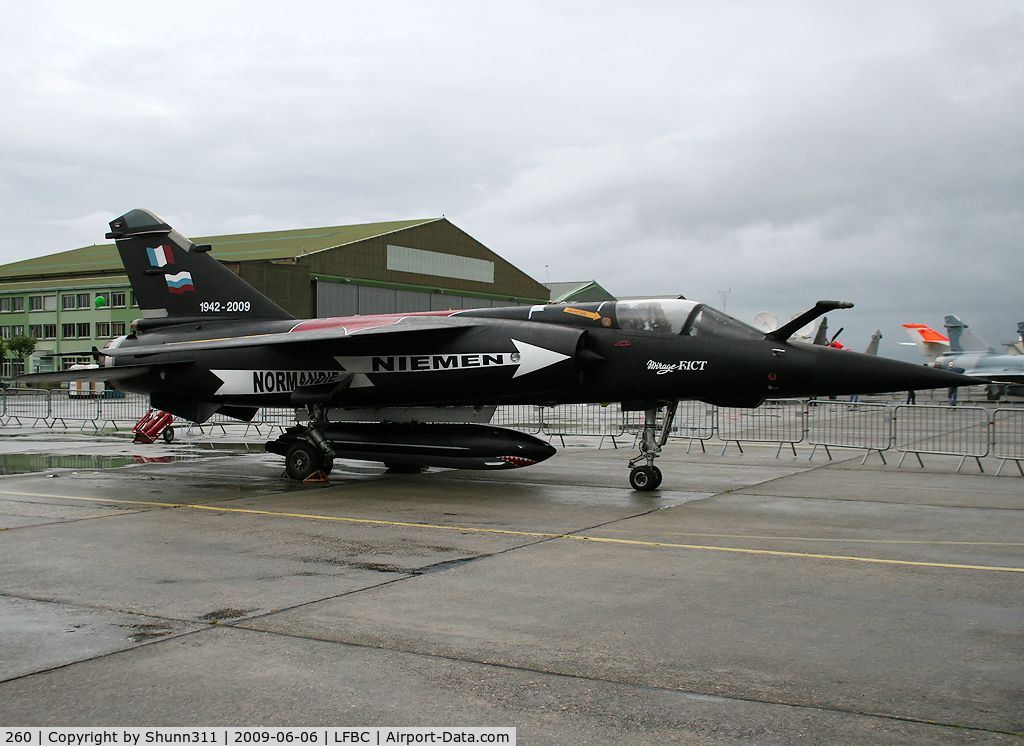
column 180, row 283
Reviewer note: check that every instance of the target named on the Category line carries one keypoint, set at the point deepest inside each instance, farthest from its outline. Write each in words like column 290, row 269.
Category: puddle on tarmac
column 28, row 463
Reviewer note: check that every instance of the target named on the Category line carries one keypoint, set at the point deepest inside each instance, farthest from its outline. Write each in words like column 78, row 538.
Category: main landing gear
column 648, row 477
column 311, row 454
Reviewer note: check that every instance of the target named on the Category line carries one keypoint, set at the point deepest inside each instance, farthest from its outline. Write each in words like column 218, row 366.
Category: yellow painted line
column 535, row 534
column 805, row 555
column 847, row 541
column 277, row 514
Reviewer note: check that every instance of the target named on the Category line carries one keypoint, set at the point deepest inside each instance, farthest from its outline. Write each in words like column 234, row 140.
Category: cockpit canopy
column 680, row 317
column 665, row 316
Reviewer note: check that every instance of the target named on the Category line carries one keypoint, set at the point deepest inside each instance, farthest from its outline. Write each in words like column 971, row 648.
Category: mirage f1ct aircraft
column 414, row 390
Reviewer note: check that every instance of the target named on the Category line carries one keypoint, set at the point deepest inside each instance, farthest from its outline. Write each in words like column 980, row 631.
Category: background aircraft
column 400, row 388
column 767, row 321
column 965, row 352
column 1017, row 348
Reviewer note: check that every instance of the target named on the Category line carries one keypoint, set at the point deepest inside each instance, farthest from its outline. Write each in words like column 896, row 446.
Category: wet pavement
column 753, row 599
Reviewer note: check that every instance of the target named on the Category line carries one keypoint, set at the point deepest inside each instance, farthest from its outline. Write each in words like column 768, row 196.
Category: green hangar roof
column 239, row 247
column 301, row 270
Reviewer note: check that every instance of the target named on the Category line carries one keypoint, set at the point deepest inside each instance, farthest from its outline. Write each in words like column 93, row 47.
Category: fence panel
column 1008, row 433
column 849, row 425
column 526, row 418
column 582, row 419
column 694, row 420
column 123, row 410
column 65, row 408
column 27, row 405
column 1008, row 437
column 777, row 421
column 944, row 431
column 273, row 417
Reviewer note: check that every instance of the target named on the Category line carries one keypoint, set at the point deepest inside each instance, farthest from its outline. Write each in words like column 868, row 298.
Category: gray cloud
column 789, row 151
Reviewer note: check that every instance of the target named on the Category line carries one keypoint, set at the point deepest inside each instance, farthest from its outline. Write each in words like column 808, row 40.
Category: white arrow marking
column 533, row 358
column 527, row 359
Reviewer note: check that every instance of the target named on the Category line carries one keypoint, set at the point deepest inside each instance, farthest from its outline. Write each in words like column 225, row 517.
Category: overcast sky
column 760, row 155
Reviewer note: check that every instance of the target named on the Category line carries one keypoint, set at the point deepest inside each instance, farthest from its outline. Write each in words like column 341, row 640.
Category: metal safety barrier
column 776, row 421
column 122, row 410
column 1007, row 427
column 968, row 431
column 694, row 420
column 944, row 431
column 600, row 420
column 849, row 425
column 64, row 408
column 526, row 418
column 26, row 405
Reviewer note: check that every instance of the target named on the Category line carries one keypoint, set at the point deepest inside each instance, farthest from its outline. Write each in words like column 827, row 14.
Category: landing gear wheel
column 168, row 435
column 302, row 460
column 645, row 478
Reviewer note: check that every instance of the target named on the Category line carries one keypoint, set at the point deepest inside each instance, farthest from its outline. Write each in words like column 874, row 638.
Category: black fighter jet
column 414, row 390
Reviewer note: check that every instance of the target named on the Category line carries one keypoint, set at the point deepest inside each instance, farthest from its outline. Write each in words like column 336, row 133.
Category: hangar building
column 74, row 300
column 586, row 291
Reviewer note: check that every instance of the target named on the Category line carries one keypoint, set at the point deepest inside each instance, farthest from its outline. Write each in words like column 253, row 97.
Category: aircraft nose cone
column 838, row 372
column 534, row 453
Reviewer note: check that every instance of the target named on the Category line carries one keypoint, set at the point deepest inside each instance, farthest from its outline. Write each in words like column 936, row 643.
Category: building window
column 117, row 299
column 49, row 302
column 5, row 332
column 84, row 330
column 102, row 329
column 117, row 329
column 83, row 300
column 49, row 331
column 405, row 259
column 5, row 305
column 68, row 303
column 18, row 330
column 35, row 331
column 67, row 331
column 35, row 303
column 18, row 304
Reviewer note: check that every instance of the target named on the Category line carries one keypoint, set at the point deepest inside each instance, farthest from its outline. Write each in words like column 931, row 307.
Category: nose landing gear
column 648, row 477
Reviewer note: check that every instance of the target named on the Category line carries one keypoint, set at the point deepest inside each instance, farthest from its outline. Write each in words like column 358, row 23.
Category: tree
column 20, row 347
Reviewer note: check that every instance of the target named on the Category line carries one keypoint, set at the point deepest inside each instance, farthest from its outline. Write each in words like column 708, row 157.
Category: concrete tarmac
column 753, row 599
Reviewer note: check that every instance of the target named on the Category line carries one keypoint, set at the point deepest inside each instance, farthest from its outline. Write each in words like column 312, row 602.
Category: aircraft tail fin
column 962, row 339
column 873, row 345
column 1017, row 348
column 172, row 277
column 928, row 341
column 821, row 337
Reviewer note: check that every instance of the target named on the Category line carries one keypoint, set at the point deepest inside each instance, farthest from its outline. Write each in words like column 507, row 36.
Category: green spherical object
column 100, row 301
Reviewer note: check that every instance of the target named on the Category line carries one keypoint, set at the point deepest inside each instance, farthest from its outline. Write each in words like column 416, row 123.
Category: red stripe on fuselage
column 356, row 323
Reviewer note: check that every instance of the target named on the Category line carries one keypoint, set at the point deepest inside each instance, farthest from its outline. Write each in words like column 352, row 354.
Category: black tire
column 645, row 478
column 168, row 435
column 302, row 460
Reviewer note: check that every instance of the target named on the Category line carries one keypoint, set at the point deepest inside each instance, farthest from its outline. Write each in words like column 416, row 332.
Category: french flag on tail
column 180, row 283
column 160, row 256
